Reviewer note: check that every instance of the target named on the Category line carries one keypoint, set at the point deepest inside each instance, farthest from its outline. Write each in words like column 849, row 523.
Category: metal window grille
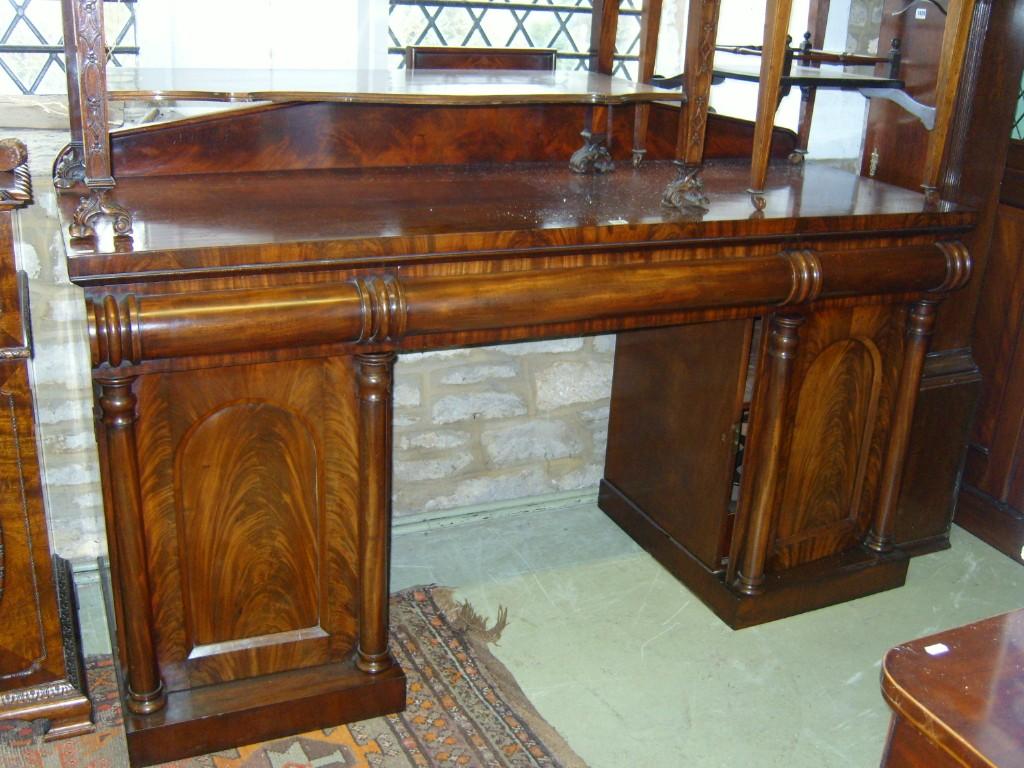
column 32, row 44
column 1018, row 123
column 560, row 24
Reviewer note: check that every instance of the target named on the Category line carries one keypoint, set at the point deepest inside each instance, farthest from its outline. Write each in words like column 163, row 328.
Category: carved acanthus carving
column 36, row 694
column 16, row 353
column 807, row 278
column 593, row 156
column 69, row 167
column 686, row 190
column 92, row 207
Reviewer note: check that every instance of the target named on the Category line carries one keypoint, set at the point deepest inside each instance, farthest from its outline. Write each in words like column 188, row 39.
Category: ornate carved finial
column 69, row 167
column 807, row 279
column 958, row 266
column 14, row 160
column 93, row 207
column 12, row 154
column 593, row 156
column 687, row 189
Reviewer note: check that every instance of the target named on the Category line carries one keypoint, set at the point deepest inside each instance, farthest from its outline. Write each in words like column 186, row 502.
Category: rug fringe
column 464, row 617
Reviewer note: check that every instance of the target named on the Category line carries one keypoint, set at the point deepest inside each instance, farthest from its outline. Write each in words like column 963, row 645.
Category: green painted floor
column 636, row 673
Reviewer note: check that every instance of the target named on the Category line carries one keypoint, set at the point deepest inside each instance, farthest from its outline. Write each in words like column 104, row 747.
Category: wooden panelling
column 303, row 136
column 456, row 57
column 835, row 420
column 689, row 380
column 842, row 398
column 253, row 468
column 248, row 478
column 945, row 408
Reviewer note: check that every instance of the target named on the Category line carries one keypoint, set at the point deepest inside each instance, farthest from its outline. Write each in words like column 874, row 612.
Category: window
column 560, row 24
column 32, row 44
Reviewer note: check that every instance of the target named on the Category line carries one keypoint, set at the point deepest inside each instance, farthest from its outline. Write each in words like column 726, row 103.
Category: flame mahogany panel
column 844, row 381
column 249, row 488
column 247, row 477
column 310, row 135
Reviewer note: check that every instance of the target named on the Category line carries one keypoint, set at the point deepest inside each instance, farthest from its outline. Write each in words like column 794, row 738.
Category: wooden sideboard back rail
column 384, row 308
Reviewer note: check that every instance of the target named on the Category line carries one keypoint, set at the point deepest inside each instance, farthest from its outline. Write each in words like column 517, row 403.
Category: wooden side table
column 958, row 697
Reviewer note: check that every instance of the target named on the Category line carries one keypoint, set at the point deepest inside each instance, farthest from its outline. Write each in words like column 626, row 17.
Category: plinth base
column 824, row 582
column 224, row 715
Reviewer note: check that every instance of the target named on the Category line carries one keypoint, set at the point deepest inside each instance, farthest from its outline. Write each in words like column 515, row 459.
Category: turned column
column 374, row 376
column 782, row 344
column 920, row 323
column 117, row 406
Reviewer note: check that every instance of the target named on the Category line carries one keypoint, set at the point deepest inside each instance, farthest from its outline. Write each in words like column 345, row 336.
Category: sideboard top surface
column 410, row 87
column 374, row 217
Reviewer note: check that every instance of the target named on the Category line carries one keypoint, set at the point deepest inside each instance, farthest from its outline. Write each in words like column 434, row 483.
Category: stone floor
column 634, row 671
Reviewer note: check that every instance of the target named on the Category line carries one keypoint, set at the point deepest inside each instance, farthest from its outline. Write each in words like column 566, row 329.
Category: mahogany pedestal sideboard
column 41, row 676
column 244, row 338
column 958, row 697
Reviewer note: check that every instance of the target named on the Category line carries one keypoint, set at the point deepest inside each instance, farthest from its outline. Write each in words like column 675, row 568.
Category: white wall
column 256, row 34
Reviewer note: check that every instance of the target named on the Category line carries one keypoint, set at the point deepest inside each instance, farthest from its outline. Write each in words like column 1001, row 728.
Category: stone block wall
column 472, row 426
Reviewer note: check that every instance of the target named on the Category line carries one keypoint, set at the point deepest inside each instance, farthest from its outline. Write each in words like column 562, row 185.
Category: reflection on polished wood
column 420, row 86
column 371, row 217
column 956, row 697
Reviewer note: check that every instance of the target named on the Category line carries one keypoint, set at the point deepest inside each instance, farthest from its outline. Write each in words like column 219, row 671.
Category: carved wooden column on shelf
column 773, row 59
column 594, row 156
column 687, row 190
column 87, row 85
column 41, row 675
column 650, row 22
column 955, row 37
column 817, row 21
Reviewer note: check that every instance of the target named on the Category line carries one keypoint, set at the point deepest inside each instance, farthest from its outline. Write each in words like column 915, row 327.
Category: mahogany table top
column 377, row 216
column 422, row 87
column 964, row 688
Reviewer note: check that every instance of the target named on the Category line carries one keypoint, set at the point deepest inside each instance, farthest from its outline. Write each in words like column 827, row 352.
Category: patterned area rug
column 463, row 708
